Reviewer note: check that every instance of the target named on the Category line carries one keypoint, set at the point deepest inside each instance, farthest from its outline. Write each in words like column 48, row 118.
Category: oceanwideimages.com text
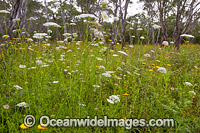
column 46, row 121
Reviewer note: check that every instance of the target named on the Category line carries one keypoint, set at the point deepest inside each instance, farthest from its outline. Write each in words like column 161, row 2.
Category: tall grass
column 151, row 94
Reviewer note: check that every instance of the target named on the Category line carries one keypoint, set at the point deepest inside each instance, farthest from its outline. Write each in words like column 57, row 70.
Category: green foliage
column 197, row 39
column 150, row 92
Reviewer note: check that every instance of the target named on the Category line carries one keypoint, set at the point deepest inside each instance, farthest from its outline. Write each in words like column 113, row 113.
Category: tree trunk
column 24, row 12
column 15, row 14
column 63, row 17
column 46, row 9
column 178, row 25
column 123, row 21
column 161, row 7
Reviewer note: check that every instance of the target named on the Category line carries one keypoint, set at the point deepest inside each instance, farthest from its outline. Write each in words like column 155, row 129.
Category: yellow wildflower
column 157, row 67
column 23, row 126
column 150, row 70
column 126, row 94
column 169, row 65
column 41, row 127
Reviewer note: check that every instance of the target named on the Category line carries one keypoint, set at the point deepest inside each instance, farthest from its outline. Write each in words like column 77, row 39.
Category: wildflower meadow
column 81, row 70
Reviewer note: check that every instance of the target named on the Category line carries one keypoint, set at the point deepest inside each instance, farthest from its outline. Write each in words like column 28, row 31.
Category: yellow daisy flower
column 23, row 126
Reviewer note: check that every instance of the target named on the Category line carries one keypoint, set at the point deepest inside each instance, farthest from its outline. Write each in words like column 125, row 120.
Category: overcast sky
column 132, row 10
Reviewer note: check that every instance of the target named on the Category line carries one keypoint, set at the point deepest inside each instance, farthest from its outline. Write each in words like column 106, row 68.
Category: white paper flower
column 142, row 38
column 67, row 34
column 72, row 24
column 17, row 87
column 122, row 52
column 99, row 58
column 105, row 16
column 113, row 99
column 165, row 43
column 86, row 16
column 22, row 104
column 22, row 66
column 48, row 24
column 4, row 11
column 101, row 67
column 107, row 75
column 139, row 29
column 147, row 55
column 187, row 84
column 162, row 70
column 55, row 82
column 29, row 40
column 96, row 86
column 187, row 35
column 16, row 20
column 115, row 55
column 39, row 61
column 39, row 35
column 192, row 92
column 155, row 26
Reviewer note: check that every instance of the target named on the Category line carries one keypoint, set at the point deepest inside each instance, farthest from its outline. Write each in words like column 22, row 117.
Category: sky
column 133, row 9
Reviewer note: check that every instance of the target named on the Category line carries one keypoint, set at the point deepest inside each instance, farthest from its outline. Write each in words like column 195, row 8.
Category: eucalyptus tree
column 47, row 15
column 187, row 15
column 115, row 20
column 123, row 6
column 18, row 11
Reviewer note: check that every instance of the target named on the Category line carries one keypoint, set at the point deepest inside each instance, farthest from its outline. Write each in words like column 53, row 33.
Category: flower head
column 113, row 99
column 104, row 4
column 162, row 70
column 165, row 43
column 122, row 52
column 22, row 104
column 6, row 36
column 147, row 55
column 23, row 126
column 86, row 16
column 41, row 127
column 150, row 70
column 105, row 16
column 126, row 94
column 22, row 66
column 39, row 35
column 16, row 20
column 187, row 84
column 6, row 106
column 139, row 29
column 155, row 26
column 187, row 35
column 17, row 87
column 4, row 11
column 52, row 24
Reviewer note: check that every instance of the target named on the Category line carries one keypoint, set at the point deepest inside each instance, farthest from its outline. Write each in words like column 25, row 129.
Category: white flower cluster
column 22, row 104
column 39, row 35
column 4, row 11
column 187, row 35
column 187, row 84
column 165, row 43
column 113, row 99
column 52, row 24
column 86, row 16
column 155, row 26
column 162, row 70
column 122, row 52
